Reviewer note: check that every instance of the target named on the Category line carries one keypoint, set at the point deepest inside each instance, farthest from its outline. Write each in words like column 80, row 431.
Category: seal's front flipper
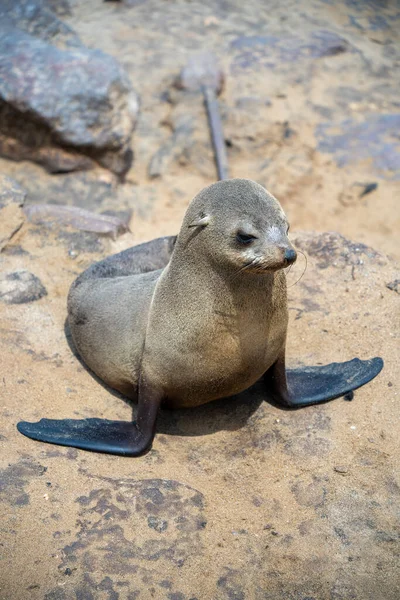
column 312, row 385
column 101, row 435
column 98, row 435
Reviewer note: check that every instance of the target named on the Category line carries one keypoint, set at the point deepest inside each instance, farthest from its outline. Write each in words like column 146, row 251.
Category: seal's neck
column 192, row 275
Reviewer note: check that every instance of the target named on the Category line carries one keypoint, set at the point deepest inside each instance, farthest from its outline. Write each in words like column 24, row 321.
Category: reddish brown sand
column 238, row 500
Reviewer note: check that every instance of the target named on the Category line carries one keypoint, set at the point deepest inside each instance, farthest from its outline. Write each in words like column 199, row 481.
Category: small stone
column 19, row 287
column 368, row 188
column 394, row 286
column 158, row 524
column 341, row 469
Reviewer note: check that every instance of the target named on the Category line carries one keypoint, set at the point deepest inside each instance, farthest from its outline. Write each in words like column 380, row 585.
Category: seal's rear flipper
column 98, row 435
column 143, row 258
column 312, row 385
column 101, row 435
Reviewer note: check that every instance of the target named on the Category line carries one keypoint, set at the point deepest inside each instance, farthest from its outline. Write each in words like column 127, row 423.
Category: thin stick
column 217, row 135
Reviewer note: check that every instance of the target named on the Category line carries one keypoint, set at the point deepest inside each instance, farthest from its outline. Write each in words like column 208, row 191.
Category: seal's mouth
column 268, row 264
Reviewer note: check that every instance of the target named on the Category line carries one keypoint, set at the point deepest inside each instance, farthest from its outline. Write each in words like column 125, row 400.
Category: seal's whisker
column 288, row 269
column 246, row 266
column 305, row 268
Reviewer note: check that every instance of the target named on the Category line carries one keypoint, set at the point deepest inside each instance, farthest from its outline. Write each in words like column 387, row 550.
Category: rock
column 333, row 249
column 19, row 287
column 373, row 139
column 368, row 188
column 12, row 197
column 10, row 192
column 78, row 218
column 39, row 18
column 95, row 190
column 394, row 286
column 76, row 108
column 355, row 192
column 341, row 469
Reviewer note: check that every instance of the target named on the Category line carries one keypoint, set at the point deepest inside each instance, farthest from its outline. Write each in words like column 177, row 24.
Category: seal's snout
column 290, row 256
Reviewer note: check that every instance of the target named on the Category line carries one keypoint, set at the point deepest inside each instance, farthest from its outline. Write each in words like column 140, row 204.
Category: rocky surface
column 75, row 109
column 238, row 499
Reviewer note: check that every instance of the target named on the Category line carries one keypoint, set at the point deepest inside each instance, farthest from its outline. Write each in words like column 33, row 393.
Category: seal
column 181, row 321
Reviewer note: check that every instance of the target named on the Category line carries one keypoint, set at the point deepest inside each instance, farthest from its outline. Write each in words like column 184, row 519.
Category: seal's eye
column 245, row 238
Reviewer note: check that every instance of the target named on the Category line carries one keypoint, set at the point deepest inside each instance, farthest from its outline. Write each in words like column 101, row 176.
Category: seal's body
column 238, row 333
column 206, row 326
column 108, row 321
column 183, row 321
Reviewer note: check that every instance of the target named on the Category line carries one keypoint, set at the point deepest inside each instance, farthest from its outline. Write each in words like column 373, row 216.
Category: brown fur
column 208, row 324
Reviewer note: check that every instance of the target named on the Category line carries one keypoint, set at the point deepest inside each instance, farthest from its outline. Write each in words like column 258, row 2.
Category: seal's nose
column 290, row 256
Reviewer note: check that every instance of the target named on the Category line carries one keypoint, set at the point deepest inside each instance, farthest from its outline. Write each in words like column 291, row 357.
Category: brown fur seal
column 183, row 321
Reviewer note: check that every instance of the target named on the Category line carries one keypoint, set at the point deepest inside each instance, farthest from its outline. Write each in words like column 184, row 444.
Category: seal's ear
column 202, row 221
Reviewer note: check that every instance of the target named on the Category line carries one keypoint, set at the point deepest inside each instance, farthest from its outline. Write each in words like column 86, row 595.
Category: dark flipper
column 101, row 435
column 312, row 385
column 143, row 258
column 98, row 435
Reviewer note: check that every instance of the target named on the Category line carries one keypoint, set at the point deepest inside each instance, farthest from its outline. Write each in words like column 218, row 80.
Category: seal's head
column 239, row 225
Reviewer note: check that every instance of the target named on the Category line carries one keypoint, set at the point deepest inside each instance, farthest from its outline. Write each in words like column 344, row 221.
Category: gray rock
column 77, row 218
column 10, row 192
column 394, row 285
column 375, row 139
column 76, row 108
column 39, row 18
column 332, row 249
column 19, row 287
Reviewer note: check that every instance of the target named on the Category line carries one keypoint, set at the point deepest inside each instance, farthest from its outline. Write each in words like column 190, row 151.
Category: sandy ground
column 239, row 500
